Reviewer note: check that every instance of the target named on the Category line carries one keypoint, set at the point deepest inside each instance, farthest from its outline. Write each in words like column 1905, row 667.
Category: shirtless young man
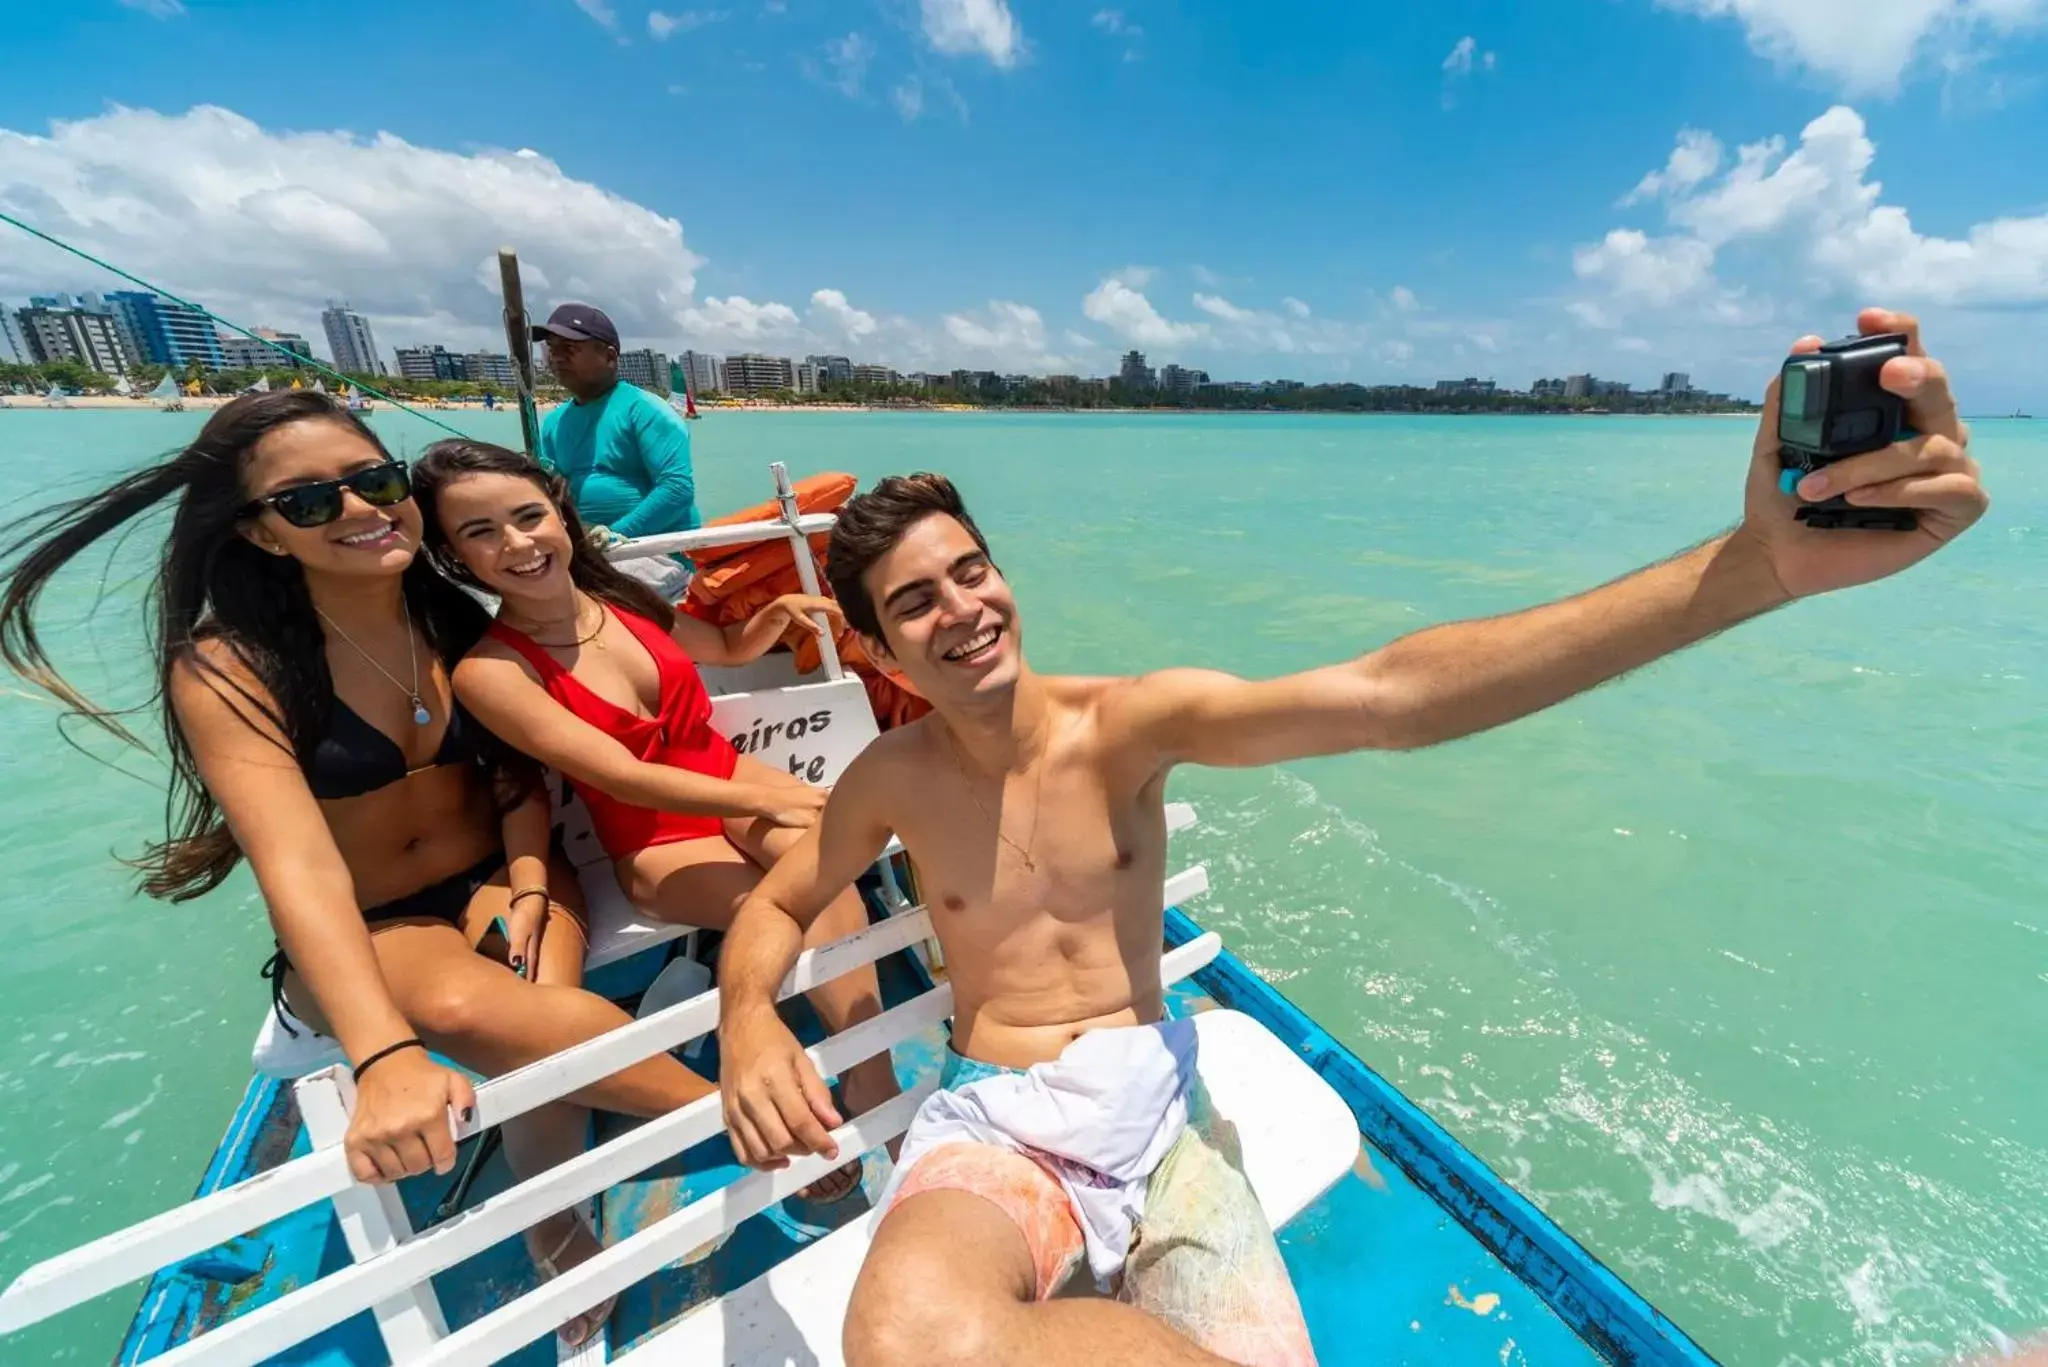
column 1033, row 807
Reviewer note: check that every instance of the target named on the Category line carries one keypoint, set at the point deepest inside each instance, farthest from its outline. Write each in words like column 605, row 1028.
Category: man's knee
column 939, row 1288
column 906, row 1319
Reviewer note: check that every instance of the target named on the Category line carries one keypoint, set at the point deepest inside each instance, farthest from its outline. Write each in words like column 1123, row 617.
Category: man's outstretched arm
column 1454, row 680
column 776, row 1105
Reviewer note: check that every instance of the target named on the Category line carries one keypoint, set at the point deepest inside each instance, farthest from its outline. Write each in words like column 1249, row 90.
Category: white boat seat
column 1299, row 1139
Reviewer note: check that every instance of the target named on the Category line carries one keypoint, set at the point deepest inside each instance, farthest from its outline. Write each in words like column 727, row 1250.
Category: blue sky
column 1371, row 191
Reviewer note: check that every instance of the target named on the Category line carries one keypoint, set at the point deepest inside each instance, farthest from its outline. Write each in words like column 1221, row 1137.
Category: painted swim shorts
column 1203, row 1259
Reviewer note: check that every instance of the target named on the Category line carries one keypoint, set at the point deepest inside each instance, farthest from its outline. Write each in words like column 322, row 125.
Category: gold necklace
column 595, row 638
column 996, row 820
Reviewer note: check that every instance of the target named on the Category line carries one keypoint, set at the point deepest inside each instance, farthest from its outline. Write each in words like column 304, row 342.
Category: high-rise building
column 488, row 367
column 349, row 338
column 167, row 332
column 1179, row 380
column 1547, row 389
column 1578, row 386
column 13, row 350
column 1610, row 389
column 875, row 374
column 752, row 374
column 646, row 367
column 1134, row 372
column 807, row 377
column 434, row 362
column 247, row 353
column 702, row 373
column 1676, row 382
column 832, row 369
column 91, row 339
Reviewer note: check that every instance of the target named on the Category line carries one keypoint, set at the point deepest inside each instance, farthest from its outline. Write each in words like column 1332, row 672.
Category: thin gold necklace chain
column 995, row 819
column 420, row 715
column 596, row 636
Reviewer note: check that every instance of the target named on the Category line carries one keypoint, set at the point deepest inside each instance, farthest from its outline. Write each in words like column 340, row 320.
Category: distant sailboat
column 169, row 398
column 123, row 388
column 687, row 406
column 262, row 386
column 55, row 398
column 319, row 386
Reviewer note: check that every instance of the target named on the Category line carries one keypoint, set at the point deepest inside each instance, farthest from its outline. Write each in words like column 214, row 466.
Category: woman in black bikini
column 304, row 646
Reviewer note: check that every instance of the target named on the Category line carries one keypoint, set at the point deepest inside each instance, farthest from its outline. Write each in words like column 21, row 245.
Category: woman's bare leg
column 702, row 883
column 480, row 1013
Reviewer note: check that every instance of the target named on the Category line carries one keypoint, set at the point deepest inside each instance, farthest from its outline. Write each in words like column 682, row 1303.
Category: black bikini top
column 355, row 758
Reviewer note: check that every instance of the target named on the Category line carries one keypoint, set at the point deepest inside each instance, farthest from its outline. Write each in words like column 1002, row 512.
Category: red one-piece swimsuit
column 680, row 734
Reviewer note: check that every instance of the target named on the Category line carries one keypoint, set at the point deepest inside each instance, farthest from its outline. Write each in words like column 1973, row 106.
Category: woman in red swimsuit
column 588, row 671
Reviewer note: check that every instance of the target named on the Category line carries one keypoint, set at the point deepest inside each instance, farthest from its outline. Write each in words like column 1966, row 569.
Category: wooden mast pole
column 519, row 338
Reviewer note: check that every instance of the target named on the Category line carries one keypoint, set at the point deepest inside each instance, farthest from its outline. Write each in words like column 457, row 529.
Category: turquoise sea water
column 1738, row 967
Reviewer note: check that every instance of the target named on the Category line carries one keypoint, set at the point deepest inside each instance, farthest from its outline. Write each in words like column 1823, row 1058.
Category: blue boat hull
column 1422, row 1255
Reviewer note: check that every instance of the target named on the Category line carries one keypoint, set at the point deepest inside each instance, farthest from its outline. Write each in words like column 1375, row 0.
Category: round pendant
column 420, row 715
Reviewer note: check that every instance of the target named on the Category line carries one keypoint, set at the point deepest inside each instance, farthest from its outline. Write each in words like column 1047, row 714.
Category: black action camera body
column 1831, row 407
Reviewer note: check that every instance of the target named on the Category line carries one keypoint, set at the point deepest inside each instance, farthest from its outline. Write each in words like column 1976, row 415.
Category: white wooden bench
column 1298, row 1137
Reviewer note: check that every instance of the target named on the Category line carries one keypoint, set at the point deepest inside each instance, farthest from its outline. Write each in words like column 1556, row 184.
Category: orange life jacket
column 733, row 583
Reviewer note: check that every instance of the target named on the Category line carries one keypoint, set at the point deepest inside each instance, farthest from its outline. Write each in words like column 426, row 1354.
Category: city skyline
column 700, row 372
column 1366, row 192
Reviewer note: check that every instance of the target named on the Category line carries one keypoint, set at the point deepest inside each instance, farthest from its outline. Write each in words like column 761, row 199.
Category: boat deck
column 1386, row 1274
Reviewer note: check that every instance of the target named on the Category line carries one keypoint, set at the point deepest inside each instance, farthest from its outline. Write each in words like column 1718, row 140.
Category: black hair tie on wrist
column 386, row 1052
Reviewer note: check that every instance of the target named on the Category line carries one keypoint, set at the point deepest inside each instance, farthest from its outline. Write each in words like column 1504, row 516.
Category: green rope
column 298, row 359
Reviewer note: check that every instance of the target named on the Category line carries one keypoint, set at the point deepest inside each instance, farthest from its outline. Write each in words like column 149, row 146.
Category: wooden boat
column 1405, row 1247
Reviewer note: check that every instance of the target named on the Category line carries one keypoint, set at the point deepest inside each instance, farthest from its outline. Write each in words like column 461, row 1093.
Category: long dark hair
column 447, row 461
column 213, row 585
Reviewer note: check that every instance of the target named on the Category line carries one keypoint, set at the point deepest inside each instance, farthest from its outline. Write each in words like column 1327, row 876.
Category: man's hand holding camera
column 1928, row 471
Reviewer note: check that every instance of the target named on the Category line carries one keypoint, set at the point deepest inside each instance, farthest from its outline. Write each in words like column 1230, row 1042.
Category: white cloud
column 908, row 99
column 737, row 320
column 1592, row 315
column 842, row 317
column 661, row 26
column 601, row 12
column 1243, row 329
column 1819, row 203
column 1641, row 269
column 1010, row 336
column 1117, row 304
column 1458, row 66
column 1404, row 299
column 962, row 27
column 1218, row 307
column 1697, row 156
column 157, row 9
column 849, row 57
column 1866, row 46
column 264, row 226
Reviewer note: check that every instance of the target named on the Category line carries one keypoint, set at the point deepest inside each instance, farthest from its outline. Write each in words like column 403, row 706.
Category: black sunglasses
column 316, row 505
